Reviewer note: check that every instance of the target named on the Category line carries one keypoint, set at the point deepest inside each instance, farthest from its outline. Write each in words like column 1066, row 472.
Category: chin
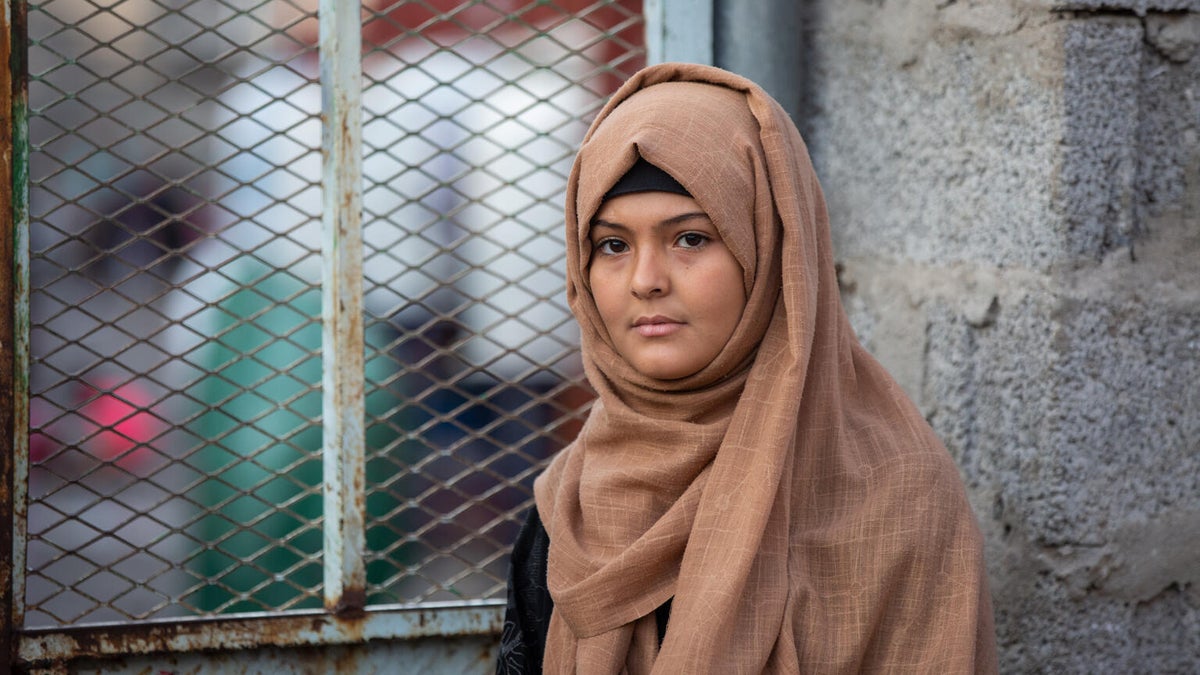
column 664, row 362
column 661, row 371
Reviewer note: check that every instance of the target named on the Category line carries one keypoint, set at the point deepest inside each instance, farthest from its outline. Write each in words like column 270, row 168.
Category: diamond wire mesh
column 472, row 115
column 175, row 303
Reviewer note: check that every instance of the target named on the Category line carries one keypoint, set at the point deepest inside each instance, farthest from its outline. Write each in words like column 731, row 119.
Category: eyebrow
column 600, row 222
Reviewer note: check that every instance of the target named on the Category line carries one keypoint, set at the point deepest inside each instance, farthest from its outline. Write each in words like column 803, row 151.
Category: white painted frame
column 679, row 30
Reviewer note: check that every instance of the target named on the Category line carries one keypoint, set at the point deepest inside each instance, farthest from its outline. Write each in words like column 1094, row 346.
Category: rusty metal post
column 14, row 324
column 342, row 337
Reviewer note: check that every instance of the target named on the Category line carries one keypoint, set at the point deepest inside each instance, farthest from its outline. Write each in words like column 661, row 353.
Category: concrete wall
column 1015, row 192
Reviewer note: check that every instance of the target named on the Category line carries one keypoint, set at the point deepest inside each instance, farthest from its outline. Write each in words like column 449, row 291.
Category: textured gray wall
column 1014, row 187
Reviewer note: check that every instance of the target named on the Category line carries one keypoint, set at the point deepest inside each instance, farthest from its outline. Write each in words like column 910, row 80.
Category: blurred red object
column 121, row 411
column 110, row 420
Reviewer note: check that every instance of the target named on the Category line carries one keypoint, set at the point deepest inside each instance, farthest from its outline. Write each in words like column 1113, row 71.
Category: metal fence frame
column 14, row 317
column 346, row 619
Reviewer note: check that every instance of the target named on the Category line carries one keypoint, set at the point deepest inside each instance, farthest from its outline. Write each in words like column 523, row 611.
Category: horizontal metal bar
column 247, row 631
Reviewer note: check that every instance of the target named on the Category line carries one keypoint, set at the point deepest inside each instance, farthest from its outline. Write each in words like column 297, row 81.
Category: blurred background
column 175, row 380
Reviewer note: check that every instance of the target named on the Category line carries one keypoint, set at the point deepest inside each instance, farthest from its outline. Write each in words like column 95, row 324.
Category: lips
column 656, row 326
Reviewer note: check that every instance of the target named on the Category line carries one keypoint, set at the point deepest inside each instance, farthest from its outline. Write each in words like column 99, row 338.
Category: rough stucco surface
column 1138, row 7
column 1014, row 191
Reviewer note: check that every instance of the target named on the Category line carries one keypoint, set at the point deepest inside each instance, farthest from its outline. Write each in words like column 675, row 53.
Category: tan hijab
column 788, row 496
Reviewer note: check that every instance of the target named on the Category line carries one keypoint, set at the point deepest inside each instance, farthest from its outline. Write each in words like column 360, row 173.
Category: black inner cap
column 645, row 177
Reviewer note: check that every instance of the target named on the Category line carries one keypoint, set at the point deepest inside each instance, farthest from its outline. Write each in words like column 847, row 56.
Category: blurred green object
column 261, row 434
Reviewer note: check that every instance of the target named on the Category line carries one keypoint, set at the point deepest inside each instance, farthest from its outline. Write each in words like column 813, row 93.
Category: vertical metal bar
column 679, row 30
column 343, row 411
column 14, row 324
column 765, row 41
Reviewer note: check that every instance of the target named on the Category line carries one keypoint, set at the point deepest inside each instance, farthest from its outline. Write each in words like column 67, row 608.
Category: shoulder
column 888, row 483
column 899, row 456
column 920, row 489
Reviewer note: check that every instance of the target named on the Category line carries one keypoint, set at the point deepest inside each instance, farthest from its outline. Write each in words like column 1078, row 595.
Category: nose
column 650, row 274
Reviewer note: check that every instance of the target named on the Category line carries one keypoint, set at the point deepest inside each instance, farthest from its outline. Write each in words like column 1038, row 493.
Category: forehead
column 648, row 207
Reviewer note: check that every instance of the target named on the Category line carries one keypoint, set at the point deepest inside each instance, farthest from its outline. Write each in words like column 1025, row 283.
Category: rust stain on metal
column 300, row 629
column 487, row 654
column 342, row 308
column 352, row 605
column 14, row 324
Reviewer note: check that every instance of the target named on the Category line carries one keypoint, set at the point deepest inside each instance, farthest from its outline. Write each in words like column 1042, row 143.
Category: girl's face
column 669, row 291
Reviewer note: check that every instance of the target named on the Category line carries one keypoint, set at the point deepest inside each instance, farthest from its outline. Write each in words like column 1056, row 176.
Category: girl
column 751, row 492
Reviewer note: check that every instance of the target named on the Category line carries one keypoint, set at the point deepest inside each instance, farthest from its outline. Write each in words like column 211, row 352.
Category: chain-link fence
column 175, row 303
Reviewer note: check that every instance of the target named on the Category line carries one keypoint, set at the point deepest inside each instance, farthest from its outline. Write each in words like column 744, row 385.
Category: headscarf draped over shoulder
column 788, row 498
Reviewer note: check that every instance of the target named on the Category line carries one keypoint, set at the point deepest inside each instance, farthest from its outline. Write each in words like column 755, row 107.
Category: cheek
column 730, row 307
column 603, row 294
column 721, row 287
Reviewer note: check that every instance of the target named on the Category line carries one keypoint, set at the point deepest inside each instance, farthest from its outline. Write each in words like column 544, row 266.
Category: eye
column 692, row 240
column 611, row 246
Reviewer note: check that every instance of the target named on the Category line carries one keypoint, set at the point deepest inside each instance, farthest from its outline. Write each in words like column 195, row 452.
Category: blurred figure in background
column 175, row 383
column 464, row 313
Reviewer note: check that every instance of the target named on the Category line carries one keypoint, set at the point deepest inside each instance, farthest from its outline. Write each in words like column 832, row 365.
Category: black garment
column 527, row 616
